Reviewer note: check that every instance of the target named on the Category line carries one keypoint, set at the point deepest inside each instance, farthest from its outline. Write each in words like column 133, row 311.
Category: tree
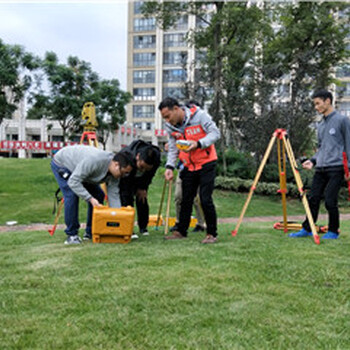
column 110, row 103
column 262, row 63
column 68, row 88
column 308, row 46
column 226, row 38
column 16, row 66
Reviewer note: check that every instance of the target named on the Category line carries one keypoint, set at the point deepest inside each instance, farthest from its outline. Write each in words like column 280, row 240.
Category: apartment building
column 158, row 65
column 160, row 62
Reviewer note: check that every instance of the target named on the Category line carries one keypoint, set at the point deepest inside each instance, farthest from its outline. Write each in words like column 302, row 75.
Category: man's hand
column 141, row 195
column 94, row 202
column 308, row 164
column 347, row 177
column 193, row 146
column 169, row 174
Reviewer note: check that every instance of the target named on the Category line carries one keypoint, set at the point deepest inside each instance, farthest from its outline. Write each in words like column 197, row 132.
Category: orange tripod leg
column 53, row 229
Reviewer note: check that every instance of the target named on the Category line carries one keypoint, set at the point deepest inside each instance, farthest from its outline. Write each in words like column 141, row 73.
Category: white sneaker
column 73, row 240
column 134, row 236
column 145, row 233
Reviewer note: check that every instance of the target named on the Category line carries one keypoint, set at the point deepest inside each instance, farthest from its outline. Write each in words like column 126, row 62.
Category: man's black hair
column 323, row 94
column 124, row 158
column 168, row 102
column 150, row 155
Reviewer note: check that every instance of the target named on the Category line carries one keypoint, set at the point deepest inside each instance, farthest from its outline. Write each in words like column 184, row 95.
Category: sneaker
column 174, row 228
column 87, row 236
column 330, row 235
column 175, row 235
column 73, row 240
column 144, row 232
column 198, row 228
column 301, row 233
column 134, row 236
column 209, row 239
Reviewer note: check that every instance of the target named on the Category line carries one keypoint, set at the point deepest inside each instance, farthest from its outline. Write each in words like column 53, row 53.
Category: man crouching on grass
column 197, row 127
column 79, row 170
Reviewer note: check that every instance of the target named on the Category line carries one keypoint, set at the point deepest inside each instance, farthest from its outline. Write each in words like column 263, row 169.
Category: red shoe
column 175, row 235
column 209, row 239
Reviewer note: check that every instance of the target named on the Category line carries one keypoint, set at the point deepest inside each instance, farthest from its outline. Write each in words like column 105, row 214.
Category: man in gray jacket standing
column 333, row 139
column 192, row 125
column 79, row 170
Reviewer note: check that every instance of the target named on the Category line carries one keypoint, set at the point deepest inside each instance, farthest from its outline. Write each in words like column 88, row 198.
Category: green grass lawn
column 258, row 290
column 27, row 188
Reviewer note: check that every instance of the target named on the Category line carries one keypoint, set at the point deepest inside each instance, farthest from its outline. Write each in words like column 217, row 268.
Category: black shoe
column 144, row 232
column 174, row 228
column 87, row 236
column 198, row 228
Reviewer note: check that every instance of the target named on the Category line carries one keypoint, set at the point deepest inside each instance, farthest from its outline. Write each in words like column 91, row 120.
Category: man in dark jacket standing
column 333, row 135
column 147, row 159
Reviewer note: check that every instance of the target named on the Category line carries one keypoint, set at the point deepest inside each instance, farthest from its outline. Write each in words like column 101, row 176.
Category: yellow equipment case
column 111, row 225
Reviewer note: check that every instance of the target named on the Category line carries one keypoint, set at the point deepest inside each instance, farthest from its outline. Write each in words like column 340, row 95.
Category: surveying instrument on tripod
column 283, row 148
column 90, row 124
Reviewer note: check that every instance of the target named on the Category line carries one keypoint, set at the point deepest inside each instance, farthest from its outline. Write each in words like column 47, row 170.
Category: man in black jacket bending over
column 147, row 159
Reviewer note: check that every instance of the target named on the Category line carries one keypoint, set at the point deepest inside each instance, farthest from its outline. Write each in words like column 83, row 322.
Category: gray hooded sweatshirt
column 333, row 135
column 90, row 165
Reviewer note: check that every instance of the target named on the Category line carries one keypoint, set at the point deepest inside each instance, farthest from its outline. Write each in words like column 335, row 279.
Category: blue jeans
column 71, row 200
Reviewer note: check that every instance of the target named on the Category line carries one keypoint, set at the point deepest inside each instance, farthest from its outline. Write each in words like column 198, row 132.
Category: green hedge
column 236, row 184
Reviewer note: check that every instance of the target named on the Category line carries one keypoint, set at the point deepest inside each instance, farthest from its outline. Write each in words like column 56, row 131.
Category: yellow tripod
column 283, row 147
column 169, row 183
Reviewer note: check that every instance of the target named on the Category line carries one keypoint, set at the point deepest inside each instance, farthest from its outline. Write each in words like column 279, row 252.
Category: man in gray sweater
column 333, row 140
column 79, row 170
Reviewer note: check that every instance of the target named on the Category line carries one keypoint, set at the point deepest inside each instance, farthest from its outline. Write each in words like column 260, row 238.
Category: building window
column 144, row 94
column 143, row 111
column 175, row 92
column 144, row 41
column 343, row 90
column 343, row 71
column 344, row 108
column 181, row 23
column 174, row 75
column 174, row 40
column 177, row 57
column 12, row 137
column 144, row 76
column 204, row 20
column 137, row 7
column 144, row 59
column 144, row 24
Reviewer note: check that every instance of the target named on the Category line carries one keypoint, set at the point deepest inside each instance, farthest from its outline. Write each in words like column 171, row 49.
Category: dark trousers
column 326, row 181
column 127, row 193
column 191, row 180
column 71, row 201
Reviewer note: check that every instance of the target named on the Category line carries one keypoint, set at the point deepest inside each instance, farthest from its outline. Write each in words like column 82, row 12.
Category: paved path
column 297, row 218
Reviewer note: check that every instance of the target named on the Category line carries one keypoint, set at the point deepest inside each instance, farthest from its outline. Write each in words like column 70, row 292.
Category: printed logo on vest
column 193, row 130
column 177, row 135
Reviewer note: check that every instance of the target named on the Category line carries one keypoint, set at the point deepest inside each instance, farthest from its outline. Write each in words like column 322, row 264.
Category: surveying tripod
column 90, row 124
column 283, row 147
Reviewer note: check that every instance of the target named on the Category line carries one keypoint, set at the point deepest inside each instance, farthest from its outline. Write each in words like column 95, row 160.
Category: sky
column 94, row 31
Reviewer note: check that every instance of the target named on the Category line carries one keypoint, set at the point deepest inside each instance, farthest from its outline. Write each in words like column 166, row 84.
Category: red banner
column 34, row 145
column 160, row 132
